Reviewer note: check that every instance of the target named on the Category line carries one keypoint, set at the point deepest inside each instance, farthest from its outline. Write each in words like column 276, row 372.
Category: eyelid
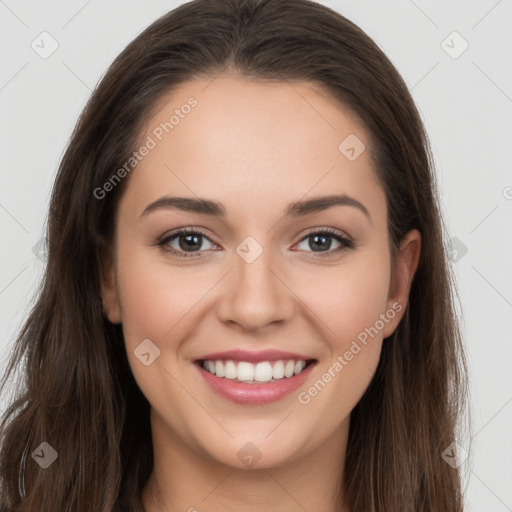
column 330, row 231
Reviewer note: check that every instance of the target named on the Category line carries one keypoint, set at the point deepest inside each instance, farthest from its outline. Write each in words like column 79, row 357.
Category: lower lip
column 263, row 393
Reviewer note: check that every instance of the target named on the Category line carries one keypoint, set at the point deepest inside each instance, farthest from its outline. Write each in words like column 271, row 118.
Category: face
column 265, row 276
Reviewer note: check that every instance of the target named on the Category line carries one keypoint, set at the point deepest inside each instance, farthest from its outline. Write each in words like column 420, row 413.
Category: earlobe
column 406, row 265
column 109, row 294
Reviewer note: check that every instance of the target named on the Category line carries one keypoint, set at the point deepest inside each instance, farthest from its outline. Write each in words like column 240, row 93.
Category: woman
column 247, row 136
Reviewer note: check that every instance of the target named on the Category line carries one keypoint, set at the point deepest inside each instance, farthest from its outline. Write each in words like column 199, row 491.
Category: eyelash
column 346, row 243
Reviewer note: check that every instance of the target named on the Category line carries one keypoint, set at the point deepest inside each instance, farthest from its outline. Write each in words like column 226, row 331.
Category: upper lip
column 253, row 357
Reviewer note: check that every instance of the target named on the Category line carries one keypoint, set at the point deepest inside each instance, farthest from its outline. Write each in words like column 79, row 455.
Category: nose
column 256, row 294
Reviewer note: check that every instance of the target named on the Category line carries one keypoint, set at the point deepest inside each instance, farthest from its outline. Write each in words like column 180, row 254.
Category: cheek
column 154, row 304
column 351, row 298
column 154, row 297
column 352, row 309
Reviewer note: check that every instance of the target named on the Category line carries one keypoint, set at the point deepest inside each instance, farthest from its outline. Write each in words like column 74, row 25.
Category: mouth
column 254, row 377
column 264, row 371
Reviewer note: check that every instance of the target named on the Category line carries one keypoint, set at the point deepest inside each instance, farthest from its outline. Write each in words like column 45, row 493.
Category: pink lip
column 255, row 394
column 253, row 357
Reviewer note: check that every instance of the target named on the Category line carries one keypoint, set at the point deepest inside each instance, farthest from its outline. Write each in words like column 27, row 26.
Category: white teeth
column 219, row 369
column 278, row 370
column 231, row 371
column 264, row 371
column 289, row 369
column 245, row 371
column 299, row 366
column 211, row 366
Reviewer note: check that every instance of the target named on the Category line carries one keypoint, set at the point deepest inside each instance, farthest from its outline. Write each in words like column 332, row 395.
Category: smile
column 265, row 371
column 254, row 377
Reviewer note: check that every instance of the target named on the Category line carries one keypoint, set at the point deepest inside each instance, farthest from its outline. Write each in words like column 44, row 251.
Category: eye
column 187, row 240
column 320, row 240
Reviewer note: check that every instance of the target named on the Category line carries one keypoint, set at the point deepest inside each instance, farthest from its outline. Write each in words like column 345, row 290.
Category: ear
column 109, row 293
column 401, row 279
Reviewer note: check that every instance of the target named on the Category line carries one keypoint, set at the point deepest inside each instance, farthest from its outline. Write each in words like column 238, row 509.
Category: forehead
column 258, row 144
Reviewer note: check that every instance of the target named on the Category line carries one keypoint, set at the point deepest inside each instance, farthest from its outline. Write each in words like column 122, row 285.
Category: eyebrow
column 216, row 209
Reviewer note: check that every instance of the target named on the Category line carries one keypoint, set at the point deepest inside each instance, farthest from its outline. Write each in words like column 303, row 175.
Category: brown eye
column 321, row 242
column 184, row 241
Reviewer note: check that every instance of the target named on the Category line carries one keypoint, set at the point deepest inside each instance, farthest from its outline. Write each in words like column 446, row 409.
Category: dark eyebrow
column 295, row 209
column 187, row 204
column 318, row 204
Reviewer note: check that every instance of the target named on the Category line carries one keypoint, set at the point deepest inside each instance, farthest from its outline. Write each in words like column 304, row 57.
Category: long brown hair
column 76, row 391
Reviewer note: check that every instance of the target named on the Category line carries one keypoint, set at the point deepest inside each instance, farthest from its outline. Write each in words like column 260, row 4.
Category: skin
column 254, row 147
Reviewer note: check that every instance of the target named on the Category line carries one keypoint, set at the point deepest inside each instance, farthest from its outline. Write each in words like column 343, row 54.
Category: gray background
column 465, row 98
